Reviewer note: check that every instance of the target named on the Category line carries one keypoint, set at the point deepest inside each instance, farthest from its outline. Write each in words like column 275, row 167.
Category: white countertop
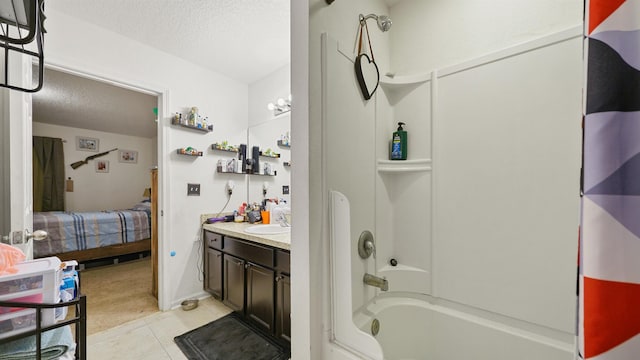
column 281, row 241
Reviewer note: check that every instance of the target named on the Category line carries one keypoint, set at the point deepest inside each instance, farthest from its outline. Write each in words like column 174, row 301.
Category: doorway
column 75, row 106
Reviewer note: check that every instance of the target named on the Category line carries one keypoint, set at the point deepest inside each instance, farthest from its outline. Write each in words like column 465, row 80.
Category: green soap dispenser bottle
column 399, row 143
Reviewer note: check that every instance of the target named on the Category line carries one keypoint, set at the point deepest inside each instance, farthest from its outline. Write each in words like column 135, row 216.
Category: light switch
column 193, row 189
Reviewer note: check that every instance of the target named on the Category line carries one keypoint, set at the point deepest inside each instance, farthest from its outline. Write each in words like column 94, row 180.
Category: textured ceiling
column 73, row 101
column 243, row 39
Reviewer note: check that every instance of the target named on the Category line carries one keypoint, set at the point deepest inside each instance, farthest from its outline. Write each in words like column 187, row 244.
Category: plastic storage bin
column 36, row 281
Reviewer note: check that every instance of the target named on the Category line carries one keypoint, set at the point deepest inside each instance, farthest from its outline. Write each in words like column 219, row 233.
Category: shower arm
column 364, row 18
column 383, row 21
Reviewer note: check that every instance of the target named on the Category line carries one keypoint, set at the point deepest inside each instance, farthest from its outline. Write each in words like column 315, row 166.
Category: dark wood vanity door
column 233, row 274
column 260, row 295
column 213, row 273
column 283, row 307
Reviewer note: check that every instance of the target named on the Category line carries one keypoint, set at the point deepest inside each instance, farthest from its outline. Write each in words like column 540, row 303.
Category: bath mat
column 231, row 338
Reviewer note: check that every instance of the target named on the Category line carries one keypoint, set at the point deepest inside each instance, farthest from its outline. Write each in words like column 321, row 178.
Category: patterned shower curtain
column 609, row 262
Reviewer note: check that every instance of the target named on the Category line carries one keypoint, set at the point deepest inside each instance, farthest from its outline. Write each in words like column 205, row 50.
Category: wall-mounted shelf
column 398, row 82
column 404, row 166
column 272, row 155
column 183, row 152
column 205, row 129
column 399, row 86
column 283, row 144
column 219, row 147
column 236, row 173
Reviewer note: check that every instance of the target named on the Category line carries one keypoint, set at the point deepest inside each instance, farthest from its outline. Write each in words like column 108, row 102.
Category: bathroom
column 481, row 219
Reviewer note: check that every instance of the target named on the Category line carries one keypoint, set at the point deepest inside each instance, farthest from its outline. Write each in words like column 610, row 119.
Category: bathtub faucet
column 376, row 281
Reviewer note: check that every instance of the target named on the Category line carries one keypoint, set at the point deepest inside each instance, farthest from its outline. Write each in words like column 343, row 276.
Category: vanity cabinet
column 233, row 282
column 213, row 280
column 252, row 279
column 213, row 264
column 260, row 295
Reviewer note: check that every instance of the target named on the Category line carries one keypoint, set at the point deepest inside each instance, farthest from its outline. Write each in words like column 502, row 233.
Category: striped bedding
column 72, row 231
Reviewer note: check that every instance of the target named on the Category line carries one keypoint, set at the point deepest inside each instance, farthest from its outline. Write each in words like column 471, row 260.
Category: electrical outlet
column 193, row 189
column 285, row 189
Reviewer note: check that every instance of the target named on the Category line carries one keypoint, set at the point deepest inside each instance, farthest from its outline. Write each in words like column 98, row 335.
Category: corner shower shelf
column 398, row 82
column 403, row 166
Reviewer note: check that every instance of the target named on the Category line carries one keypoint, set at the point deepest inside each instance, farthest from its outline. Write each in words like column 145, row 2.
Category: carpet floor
column 231, row 338
column 117, row 294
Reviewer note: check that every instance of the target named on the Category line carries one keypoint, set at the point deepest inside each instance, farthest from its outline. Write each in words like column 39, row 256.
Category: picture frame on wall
column 102, row 166
column 128, row 156
column 87, row 144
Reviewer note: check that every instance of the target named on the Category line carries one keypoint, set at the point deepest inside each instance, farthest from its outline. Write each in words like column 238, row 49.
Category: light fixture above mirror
column 281, row 106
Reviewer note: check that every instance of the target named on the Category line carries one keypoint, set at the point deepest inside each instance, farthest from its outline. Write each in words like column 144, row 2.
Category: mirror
column 267, row 135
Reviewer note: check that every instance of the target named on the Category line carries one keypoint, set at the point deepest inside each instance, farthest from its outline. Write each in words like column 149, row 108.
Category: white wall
column 120, row 188
column 340, row 20
column 85, row 48
column 427, row 36
column 265, row 129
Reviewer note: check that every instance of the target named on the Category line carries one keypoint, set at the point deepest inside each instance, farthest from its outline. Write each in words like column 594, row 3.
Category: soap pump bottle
column 399, row 143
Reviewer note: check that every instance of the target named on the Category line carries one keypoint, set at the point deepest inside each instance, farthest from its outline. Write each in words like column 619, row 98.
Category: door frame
column 163, row 94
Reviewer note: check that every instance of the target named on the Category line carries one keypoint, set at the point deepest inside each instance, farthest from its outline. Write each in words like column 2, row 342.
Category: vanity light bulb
column 281, row 102
column 271, row 106
column 265, row 186
column 289, row 98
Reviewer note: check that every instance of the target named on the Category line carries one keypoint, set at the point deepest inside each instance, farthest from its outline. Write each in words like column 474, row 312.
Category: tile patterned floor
column 152, row 337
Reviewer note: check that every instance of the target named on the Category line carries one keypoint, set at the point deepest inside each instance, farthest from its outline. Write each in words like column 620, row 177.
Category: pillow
column 144, row 205
column 9, row 256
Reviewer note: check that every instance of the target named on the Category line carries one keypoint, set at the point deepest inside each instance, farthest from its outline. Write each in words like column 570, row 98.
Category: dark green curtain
column 48, row 174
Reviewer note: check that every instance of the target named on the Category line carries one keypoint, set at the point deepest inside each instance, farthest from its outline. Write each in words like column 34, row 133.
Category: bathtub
column 416, row 326
column 404, row 326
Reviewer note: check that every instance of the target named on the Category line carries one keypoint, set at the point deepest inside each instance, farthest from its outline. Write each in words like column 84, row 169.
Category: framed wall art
column 102, row 166
column 128, row 156
column 87, row 144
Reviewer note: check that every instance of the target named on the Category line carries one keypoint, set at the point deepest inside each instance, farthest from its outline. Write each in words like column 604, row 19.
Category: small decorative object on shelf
column 269, row 153
column 224, row 146
column 281, row 143
column 287, row 163
column 189, row 152
column 192, row 121
column 284, row 140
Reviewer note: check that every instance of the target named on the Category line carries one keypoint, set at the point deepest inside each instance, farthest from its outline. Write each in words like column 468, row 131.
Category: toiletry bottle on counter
column 399, row 144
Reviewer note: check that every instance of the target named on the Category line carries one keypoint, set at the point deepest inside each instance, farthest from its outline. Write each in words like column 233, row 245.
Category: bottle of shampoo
column 399, row 144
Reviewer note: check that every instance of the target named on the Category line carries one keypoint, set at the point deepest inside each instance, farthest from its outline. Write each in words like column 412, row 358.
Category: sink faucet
column 376, row 281
column 282, row 219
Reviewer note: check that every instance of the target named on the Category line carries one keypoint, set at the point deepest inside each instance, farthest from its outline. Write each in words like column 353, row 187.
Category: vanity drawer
column 283, row 261
column 213, row 240
column 249, row 251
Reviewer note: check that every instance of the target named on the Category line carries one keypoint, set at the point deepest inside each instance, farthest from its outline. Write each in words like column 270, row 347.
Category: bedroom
column 115, row 129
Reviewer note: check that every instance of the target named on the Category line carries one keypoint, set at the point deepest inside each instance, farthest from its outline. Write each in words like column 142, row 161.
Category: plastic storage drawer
column 35, row 281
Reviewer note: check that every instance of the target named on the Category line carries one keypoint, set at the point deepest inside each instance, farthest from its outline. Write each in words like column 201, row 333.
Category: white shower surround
column 550, row 338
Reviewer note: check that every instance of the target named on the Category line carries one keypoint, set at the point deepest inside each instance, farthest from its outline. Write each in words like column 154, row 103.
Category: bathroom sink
column 270, row 229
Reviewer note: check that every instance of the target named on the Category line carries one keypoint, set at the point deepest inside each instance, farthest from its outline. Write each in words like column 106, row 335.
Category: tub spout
column 378, row 282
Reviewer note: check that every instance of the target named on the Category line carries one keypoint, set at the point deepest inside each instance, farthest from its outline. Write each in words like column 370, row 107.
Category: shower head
column 384, row 21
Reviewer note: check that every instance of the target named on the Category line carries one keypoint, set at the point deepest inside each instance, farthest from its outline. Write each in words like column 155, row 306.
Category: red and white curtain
column 609, row 257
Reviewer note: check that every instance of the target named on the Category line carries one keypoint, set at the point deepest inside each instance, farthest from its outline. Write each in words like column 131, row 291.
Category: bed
column 85, row 236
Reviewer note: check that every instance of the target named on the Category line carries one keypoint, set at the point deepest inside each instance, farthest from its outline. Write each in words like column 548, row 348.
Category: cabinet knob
column 279, row 277
column 246, row 266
